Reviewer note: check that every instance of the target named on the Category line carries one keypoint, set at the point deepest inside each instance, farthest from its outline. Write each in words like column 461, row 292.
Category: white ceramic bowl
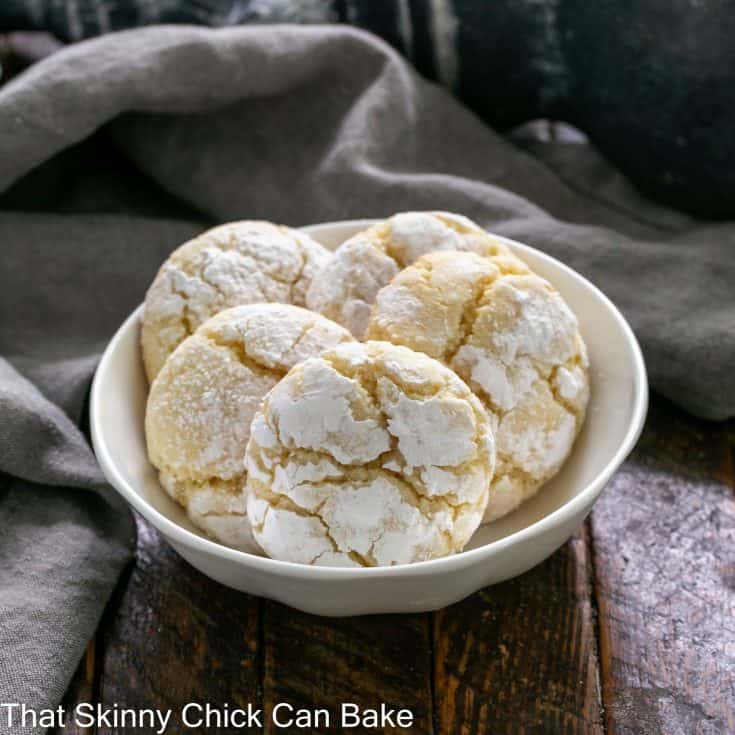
column 497, row 552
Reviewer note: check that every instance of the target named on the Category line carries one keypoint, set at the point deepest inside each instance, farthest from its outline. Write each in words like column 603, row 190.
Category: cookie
column 516, row 343
column 369, row 455
column 203, row 400
column 344, row 289
column 233, row 264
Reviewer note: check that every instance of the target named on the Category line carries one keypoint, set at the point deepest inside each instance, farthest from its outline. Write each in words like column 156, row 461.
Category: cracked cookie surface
column 516, row 343
column 202, row 402
column 368, row 455
column 345, row 287
column 233, row 264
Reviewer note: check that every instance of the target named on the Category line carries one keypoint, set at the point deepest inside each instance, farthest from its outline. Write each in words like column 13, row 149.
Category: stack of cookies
column 366, row 407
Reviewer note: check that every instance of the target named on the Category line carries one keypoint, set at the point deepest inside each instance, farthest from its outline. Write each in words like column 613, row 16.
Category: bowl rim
column 586, row 496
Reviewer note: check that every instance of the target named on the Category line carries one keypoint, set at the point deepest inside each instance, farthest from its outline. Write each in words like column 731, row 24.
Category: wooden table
column 629, row 628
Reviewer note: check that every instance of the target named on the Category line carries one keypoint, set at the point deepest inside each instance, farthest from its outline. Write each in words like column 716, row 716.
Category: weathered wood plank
column 521, row 657
column 317, row 662
column 172, row 636
column 664, row 539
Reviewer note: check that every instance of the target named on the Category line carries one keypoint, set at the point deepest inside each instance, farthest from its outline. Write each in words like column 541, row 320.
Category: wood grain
column 664, row 539
column 322, row 662
column 517, row 658
column 521, row 657
column 174, row 636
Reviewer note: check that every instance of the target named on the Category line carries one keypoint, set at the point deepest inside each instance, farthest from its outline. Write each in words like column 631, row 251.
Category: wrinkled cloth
column 114, row 151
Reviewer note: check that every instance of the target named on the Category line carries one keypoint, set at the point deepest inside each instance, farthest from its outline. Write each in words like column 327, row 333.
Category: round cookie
column 203, row 400
column 233, row 264
column 515, row 342
column 369, row 455
column 345, row 287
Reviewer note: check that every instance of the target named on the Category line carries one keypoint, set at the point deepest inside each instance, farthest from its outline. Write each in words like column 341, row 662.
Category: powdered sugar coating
column 368, row 455
column 516, row 343
column 202, row 403
column 345, row 287
column 233, row 264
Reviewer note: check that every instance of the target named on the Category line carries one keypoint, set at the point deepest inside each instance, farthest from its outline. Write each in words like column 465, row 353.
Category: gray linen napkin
column 115, row 150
